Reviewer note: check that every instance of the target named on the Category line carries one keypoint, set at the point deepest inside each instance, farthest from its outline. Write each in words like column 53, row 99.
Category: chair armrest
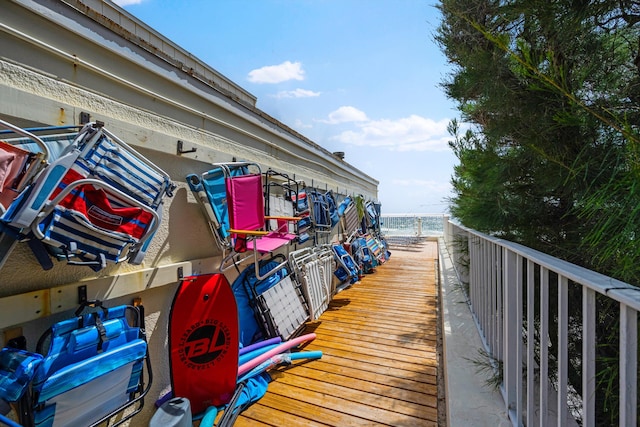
column 285, row 218
column 248, row 232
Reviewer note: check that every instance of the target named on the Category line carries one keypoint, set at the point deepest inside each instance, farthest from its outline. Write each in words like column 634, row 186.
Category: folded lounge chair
column 85, row 371
column 301, row 211
column 313, row 267
column 269, row 307
column 349, row 219
column 378, row 248
column 100, row 201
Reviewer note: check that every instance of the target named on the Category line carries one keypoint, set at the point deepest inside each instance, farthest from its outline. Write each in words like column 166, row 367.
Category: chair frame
column 224, row 237
column 87, row 157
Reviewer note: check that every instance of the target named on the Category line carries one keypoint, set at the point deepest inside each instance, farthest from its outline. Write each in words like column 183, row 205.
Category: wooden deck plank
column 379, row 364
column 349, row 372
column 362, row 383
column 420, row 344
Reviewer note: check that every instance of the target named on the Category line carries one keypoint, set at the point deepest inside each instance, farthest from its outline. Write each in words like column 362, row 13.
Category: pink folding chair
column 247, row 221
column 18, row 166
column 12, row 164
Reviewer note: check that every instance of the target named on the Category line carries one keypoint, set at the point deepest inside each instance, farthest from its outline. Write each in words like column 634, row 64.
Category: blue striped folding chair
column 100, row 202
column 320, row 213
column 349, row 219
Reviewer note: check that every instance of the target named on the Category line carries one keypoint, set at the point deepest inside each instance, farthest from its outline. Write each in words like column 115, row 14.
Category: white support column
column 519, row 284
column 500, row 298
column 563, row 358
column 510, row 353
column 588, row 357
column 544, row 345
column 531, row 348
column 628, row 365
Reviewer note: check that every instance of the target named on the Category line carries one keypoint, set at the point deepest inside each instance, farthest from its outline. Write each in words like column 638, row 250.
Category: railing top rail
column 391, row 215
column 616, row 289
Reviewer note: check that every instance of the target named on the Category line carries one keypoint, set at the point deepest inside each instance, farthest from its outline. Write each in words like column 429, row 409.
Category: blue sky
column 359, row 76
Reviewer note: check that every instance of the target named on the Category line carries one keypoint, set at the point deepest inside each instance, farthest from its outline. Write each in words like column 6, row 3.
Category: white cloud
column 413, row 133
column 344, row 115
column 123, row 3
column 297, row 93
column 277, row 73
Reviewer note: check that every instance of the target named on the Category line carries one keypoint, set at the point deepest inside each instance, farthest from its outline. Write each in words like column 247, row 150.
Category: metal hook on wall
column 180, row 150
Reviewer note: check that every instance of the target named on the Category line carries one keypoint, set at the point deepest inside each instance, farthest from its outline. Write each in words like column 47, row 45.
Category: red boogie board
column 203, row 341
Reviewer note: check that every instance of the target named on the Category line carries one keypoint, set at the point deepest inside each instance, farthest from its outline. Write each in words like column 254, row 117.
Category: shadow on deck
column 379, row 340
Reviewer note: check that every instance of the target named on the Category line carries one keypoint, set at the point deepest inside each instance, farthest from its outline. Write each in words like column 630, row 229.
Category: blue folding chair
column 85, row 370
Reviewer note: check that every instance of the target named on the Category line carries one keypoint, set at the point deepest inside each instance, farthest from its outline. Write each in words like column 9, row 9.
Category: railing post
column 628, row 365
column 510, row 365
column 500, row 281
column 531, row 407
column 588, row 357
column 544, row 345
column 563, row 353
column 446, row 228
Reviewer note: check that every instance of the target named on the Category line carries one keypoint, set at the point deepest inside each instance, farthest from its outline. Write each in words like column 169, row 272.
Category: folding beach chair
column 237, row 215
column 347, row 270
column 85, row 370
column 313, row 267
column 269, row 307
column 349, row 219
column 19, row 165
column 372, row 216
column 301, row 210
column 377, row 247
column 210, row 191
column 362, row 255
column 13, row 164
column 24, row 153
column 334, row 217
column 100, row 201
column 296, row 193
column 300, row 201
column 319, row 210
column 281, row 199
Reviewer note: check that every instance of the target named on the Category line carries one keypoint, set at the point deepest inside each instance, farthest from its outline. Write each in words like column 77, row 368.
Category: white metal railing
column 405, row 228
column 516, row 294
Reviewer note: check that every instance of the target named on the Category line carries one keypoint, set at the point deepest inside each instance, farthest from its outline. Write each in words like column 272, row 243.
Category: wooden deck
column 379, row 364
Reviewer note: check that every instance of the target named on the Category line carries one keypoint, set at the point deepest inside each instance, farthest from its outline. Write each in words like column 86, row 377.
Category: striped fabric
column 313, row 269
column 98, row 222
column 120, row 168
column 90, row 221
column 350, row 221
